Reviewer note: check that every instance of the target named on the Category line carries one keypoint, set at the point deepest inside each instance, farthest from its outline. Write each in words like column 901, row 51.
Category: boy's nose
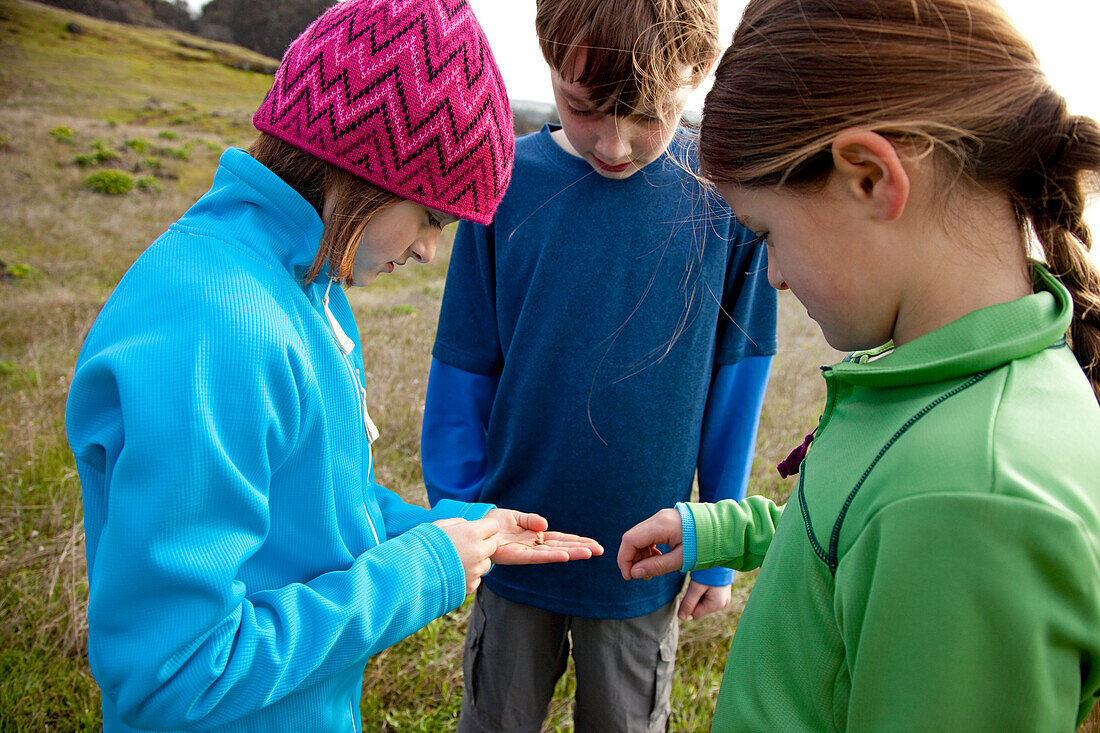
column 613, row 144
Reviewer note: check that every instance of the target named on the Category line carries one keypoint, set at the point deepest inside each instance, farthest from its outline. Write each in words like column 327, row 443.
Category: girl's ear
column 872, row 172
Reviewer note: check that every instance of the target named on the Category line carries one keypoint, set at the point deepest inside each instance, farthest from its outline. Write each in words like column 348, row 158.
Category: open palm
column 525, row 540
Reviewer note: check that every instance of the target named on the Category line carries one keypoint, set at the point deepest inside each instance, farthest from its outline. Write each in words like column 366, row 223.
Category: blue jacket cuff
column 464, row 509
column 454, row 585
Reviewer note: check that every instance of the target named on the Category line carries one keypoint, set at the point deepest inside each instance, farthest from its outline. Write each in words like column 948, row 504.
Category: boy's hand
column 638, row 554
column 475, row 541
column 700, row 600
column 523, row 540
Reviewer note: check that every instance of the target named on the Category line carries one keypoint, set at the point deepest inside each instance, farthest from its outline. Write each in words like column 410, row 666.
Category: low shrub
column 148, row 184
column 110, row 181
column 22, row 271
column 178, row 153
column 62, row 134
column 15, row 377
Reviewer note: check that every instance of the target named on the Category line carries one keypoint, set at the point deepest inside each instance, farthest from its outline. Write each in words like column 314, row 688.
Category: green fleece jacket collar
column 984, row 339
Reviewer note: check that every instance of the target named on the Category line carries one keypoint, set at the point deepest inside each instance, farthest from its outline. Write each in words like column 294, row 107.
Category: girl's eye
column 760, row 239
column 581, row 112
column 433, row 222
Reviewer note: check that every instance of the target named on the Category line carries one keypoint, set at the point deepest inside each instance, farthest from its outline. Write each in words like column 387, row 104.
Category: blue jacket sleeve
column 453, row 438
column 730, row 422
column 401, row 516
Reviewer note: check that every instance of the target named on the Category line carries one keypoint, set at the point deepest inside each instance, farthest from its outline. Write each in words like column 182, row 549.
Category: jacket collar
column 254, row 208
column 984, row 339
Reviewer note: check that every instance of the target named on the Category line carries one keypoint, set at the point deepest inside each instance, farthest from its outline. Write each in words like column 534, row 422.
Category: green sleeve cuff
column 732, row 534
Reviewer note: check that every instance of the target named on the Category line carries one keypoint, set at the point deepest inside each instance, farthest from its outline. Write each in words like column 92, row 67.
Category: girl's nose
column 775, row 277
column 423, row 249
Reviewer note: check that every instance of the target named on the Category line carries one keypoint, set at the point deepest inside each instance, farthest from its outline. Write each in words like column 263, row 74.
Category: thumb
column 485, row 527
column 656, row 565
column 532, row 522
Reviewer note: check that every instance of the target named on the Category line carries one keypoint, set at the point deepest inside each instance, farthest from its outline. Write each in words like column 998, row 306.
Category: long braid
column 1050, row 195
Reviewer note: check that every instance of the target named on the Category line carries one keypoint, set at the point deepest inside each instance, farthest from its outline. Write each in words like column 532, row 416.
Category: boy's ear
column 871, row 170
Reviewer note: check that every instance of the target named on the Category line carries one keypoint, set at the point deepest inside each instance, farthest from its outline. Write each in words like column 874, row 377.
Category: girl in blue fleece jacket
column 242, row 563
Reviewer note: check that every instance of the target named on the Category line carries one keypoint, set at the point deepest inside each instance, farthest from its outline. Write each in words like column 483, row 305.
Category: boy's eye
column 581, row 112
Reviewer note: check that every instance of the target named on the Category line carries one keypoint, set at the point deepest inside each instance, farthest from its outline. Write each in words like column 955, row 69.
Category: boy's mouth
column 612, row 168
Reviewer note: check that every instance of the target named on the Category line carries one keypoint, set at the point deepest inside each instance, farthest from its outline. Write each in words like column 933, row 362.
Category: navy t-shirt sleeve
column 467, row 337
column 747, row 325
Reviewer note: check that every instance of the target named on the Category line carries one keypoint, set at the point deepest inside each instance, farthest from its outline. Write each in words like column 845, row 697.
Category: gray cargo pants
column 515, row 654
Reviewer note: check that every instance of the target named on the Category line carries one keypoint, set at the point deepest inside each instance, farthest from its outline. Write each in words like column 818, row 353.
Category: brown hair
column 355, row 201
column 953, row 77
column 636, row 49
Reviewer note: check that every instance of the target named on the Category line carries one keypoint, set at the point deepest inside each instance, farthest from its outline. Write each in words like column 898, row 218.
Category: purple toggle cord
column 789, row 466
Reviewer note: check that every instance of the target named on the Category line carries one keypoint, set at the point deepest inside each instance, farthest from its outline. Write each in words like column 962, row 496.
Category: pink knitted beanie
column 403, row 93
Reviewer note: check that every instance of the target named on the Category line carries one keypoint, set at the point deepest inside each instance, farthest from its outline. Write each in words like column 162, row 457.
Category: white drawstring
column 347, row 346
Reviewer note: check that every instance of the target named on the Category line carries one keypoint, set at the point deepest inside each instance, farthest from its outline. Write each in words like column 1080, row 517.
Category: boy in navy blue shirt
column 607, row 336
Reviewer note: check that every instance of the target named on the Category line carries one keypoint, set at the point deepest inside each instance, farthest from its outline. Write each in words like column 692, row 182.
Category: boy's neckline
column 559, row 137
column 563, row 152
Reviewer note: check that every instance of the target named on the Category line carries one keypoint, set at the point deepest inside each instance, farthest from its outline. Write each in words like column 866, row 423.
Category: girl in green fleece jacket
column 921, row 190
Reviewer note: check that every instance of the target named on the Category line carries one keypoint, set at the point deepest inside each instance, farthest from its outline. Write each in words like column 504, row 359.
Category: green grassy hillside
column 65, row 63
column 157, row 107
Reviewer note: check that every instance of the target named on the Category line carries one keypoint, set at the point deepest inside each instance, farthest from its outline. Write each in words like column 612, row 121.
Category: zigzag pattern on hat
column 404, row 93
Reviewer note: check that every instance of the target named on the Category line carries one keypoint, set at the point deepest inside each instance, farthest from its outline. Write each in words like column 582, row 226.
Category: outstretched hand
column 524, row 540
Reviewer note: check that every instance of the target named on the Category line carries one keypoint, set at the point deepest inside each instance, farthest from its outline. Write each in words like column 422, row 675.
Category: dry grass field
column 114, row 98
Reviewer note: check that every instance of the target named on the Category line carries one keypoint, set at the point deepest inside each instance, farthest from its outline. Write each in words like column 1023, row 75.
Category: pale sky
column 1064, row 33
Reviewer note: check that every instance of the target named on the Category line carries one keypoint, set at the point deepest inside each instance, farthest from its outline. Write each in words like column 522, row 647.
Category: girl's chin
column 363, row 279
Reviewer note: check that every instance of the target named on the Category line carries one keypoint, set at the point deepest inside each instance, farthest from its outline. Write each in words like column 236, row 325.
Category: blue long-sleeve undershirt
column 728, row 439
column 456, row 420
